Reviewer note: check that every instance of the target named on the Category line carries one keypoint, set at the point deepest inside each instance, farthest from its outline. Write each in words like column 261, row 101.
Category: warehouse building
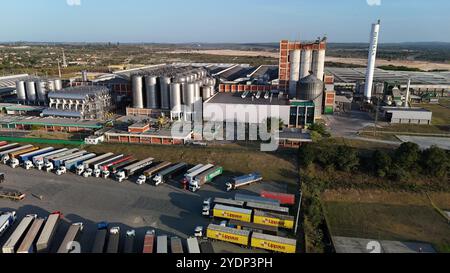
column 49, row 124
column 403, row 115
column 81, row 102
column 151, row 136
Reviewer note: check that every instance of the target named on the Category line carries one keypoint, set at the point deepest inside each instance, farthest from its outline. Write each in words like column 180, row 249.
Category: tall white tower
column 372, row 59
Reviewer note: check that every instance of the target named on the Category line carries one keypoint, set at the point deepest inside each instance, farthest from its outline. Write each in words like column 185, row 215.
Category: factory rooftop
column 10, row 81
column 235, row 98
column 353, row 75
column 59, row 122
column 78, row 92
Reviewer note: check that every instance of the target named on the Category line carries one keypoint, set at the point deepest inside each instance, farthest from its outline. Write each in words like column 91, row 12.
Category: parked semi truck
column 244, row 180
column 132, row 169
column 252, row 239
column 71, row 165
column 161, row 244
column 116, row 168
column 148, row 174
column 193, row 246
column 168, row 173
column 53, row 162
column 204, row 178
column 128, row 246
column 40, row 161
column 15, row 158
column 113, row 240
column 176, row 246
column 100, row 238
column 98, row 168
column 190, row 176
column 8, row 147
column 209, row 203
column 149, row 241
column 72, row 235
column 7, row 219
column 12, row 148
column 11, row 154
column 106, row 167
column 26, row 159
column 16, row 237
column 47, row 236
column 89, row 164
column 27, row 245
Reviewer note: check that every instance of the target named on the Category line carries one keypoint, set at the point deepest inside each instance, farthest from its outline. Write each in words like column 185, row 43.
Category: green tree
column 319, row 128
column 346, row 159
column 407, row 155
column 435, row 162
column 381, row 163
column 398, row 173
column 307, row 154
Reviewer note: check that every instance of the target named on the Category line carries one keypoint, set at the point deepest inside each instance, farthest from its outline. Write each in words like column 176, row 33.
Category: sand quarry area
column 423, row 65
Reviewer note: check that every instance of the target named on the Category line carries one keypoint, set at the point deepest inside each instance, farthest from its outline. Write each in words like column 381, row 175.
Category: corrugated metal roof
column 272, row 238
column 229, row 230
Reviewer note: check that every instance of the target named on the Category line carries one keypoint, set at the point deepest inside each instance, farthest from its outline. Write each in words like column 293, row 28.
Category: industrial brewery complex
column 114, row 202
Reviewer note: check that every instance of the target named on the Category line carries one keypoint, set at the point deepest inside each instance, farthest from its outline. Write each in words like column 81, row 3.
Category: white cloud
column 73, row 2
column 374, row 2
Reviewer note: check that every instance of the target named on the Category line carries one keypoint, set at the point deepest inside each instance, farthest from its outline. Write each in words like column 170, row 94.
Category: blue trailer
column 244, row 181
column 73, row 163
column 29, row 156
column 58, row 162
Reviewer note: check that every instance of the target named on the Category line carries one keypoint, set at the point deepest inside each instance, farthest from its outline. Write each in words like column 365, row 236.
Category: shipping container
column 149, row 241
column 255, row 198
column 161, row 244
column 168, row 173
column 227, row 234
column 17, row 236
column 227, row 212
column 193, row 246
column 28, row 150
column 27, row 245
column 72, row 235
column 3, row 143
column 46, row 238
column 273, row 243
column 114, row 158
column 283, row 198
column 273, row 219
column 244, row 180
column 97, row 164
column 176, row 246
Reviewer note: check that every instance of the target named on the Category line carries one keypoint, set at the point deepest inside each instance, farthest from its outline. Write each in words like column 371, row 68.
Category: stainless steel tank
column 152, row 91
column 206, row 92
column 175, row 97
column 189, row 96
column 41, row 90
column 295, row 72
column 137, row 91
column 164, row 83
column 310, row 88
column 50, row 85
column 58, row 84
column 31, row 91
column 21, row 94
column 197, row 93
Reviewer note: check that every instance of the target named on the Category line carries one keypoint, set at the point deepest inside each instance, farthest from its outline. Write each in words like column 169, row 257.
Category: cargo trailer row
column 208, row 204
column 251, row 239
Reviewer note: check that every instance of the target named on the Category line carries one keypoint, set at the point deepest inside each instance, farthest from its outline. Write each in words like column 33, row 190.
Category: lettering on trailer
column 273, row 246
column 227, row 214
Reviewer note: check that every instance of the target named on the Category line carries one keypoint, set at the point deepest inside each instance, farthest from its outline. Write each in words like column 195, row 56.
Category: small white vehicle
column 120, row 176
column 28, row 165
column 97, row 173
column 106, row 174
column 40, row 164
column 14, row 163
column 49, row 167
column 62, row 170
column 198, row 232
column 80, row 170
column 88, row 173
column 141, row 180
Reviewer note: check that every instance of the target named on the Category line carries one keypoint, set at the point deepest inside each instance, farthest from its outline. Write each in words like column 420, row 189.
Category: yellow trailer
column 273, row 219
column 21, row 152
column 273, row 243
column 226, row 234
column 233, row 213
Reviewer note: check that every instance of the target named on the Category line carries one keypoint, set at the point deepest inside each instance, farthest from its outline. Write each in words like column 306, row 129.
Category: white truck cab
column 88, row 173
column 49, row 167
column 28, row 165
column 80, row 170
column 62, row 170
column 198, row 232
column 141, row 180
column 40, row 164
column 14, row 163
column 97, row 173
column 106, row 174
column 120, row 176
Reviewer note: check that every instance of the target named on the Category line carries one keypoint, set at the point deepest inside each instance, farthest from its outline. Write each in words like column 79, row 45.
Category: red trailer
column 3, row 143
column 284, row 198
column 118, row 161
column 149, row 241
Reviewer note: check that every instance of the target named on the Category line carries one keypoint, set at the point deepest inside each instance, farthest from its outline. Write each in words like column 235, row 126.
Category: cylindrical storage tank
column 311, row 89
column 31, row 91
column 84, row 76
column 137, row 91
column 21, row 94
column 189, row 96
column 212, row 90
column 295, row 72
column 198, row 93
column 206, row 92
column 151, row 88
column 41, row 90
column 164, row 83
column 305, row 63
column 50, row 85
column 318, row 65
column 175, row 97
column 58, row 84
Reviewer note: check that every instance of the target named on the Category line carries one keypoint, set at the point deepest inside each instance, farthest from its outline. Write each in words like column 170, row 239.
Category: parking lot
column 168, row 209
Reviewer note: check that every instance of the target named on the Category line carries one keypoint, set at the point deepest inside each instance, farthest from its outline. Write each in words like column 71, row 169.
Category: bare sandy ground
column 427, row 66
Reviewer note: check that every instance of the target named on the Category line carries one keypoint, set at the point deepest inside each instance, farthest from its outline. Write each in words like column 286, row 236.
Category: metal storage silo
column 58, row 84
column 305, row 62
column 294, row 59
column 318, row 63
column 310, row 88
column 151, row 88
column 41, row 90
column 20, row 87
column 175, row 97
column 138, row 91
column 50, row 84
column 206, row 93
column 164, row 83
column 31, row 91
column 197, row 91
column 189, row 96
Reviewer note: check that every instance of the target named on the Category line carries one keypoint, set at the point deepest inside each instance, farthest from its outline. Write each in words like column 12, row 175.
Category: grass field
column 441, row 114
column 236, row 160
column 388, row 216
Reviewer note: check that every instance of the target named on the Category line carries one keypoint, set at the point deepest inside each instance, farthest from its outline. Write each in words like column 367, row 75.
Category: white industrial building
column 403, row 115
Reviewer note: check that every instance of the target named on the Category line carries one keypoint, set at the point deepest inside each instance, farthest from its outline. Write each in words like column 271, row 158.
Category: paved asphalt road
column 167, row 208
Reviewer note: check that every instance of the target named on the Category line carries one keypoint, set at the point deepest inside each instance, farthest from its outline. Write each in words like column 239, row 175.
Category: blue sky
column 173, row 21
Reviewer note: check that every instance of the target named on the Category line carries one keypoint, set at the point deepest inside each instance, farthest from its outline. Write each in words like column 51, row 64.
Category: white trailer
column 41, row 157
column 6, row 221
column 130, row 170
column 48, row 233
column 188, row 177
column 193, row 246
column 27, row 244
column 161, row 244
column 68, row 246
column 98, row 165
column 13, row 241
